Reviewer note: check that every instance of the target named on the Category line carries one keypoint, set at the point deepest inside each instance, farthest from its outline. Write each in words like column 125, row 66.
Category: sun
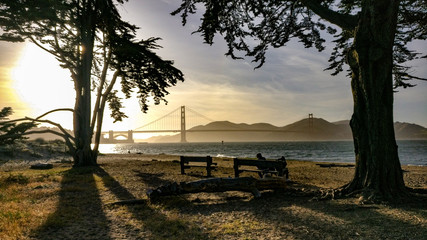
column 42, row 85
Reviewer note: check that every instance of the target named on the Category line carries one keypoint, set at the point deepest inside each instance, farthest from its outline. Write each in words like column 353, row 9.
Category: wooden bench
column 268, row 166
column 206, row 163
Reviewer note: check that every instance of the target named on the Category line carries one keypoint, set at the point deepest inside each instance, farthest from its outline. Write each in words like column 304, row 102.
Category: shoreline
column 61, row 159
column 317, row 173
column 146, row 156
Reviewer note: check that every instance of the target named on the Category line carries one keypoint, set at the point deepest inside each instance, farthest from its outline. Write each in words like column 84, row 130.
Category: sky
column 291, row 84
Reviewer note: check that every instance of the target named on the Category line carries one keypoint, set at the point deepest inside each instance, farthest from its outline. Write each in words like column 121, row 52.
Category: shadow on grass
column 290, row 215
column 152, row 180
column 79, row 213
column 157, row 224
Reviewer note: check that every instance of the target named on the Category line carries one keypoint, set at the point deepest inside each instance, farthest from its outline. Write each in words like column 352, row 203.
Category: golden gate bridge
column 181, row 120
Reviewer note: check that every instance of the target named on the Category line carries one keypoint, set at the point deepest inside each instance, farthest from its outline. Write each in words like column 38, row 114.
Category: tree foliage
column 11, row 131
column 252, row 27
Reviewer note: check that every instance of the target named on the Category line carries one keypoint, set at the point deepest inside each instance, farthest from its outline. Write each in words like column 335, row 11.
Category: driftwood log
column 41, row 166
column 245, row 184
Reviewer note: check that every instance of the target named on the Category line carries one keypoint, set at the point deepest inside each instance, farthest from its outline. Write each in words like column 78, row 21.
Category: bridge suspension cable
column 161, row 118
column 172, row 120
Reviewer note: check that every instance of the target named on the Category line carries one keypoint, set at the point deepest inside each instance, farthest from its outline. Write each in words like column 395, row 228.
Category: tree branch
column 411, row 76
column 65, row 137
column 100, row 88
column 69, row 140
column 103, row 100
column 61, row 53
column 37, row 119
column 345, row 21
column 54, row 124
column 42, row 47
column 55, row 110
column 110, row 87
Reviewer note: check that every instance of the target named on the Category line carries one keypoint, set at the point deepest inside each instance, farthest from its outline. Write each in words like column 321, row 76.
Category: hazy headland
column 318, row 130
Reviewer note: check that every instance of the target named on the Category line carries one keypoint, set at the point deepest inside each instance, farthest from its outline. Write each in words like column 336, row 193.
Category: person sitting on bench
column 286, row 172
column 261, row 158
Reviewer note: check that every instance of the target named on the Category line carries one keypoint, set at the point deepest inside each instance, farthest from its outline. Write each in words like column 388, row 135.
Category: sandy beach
column 66, row 203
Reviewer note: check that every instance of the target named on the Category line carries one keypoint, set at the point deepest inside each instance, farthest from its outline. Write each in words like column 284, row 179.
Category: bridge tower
column 310, row 122
column 110, row 136
column 130, row 136
column 183, row 130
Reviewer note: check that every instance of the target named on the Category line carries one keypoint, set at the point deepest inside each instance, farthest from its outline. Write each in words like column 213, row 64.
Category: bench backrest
column 259, row 163
column 187, row 159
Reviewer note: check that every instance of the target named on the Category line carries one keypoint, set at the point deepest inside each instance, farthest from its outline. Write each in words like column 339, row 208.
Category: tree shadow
column 295, row 215
column 156, row 224
column 79, row 213
column 152, row 180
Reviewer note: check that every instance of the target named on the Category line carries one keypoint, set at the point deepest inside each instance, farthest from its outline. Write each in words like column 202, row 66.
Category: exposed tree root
column 417, row 190
column 372, row 196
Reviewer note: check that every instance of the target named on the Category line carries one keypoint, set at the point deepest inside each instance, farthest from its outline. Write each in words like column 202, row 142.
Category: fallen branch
column 245, row 184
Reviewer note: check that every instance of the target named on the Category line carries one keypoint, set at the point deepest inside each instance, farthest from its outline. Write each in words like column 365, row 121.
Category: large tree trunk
column 82, row 115
column 378, row 173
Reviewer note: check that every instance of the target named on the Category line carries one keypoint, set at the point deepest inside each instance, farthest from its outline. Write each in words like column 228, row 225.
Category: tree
column 372, row 41
column 10, row 131
column 89, row 38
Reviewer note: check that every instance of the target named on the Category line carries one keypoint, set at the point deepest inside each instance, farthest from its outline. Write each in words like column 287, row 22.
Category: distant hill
column 409, row 131
column 321, row 130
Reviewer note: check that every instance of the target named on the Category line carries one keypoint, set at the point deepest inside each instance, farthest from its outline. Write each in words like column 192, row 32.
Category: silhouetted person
column 283, row 159
column 285, row 170
column 260, row 158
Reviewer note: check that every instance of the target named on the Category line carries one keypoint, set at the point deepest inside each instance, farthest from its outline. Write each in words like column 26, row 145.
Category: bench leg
column 236, row 171
column 182, row 166
column 208, row 166
column 208, row 169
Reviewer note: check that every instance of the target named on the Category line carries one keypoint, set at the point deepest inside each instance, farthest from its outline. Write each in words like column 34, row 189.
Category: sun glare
column 42, row 85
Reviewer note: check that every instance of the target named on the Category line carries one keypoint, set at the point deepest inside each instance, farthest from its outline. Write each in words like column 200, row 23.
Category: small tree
column 89, row 38
column 10, row 131
column 372, row 41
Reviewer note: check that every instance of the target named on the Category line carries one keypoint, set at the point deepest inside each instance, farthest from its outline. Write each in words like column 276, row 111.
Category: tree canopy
column 252, row 27
column 98, row 48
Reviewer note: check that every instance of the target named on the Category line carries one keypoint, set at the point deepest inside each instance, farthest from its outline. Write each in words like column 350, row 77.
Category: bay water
column 411, row 152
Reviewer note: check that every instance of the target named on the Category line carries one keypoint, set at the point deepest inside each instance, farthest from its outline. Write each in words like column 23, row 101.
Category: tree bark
column 82, row 115
column 378, row 173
